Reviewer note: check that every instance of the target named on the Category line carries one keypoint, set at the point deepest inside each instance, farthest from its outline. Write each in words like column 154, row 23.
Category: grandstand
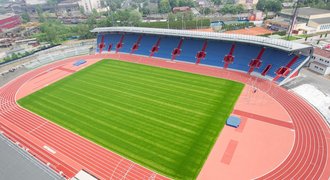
column 273, row 59
column 262, row 64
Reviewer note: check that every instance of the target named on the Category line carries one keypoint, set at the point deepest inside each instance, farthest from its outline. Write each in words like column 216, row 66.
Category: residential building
column 320, row 61
column 309, row 20
column 35, row 2
column 181, row 9
column 247, row 2
column 9, row 22
column 89, row 5
column 320, row 24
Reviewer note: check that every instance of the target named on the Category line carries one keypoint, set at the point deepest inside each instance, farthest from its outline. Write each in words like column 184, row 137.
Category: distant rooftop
column 306, row 11
column 322, row 52
column 325, row 20
column 4, row 16
column 264, row 41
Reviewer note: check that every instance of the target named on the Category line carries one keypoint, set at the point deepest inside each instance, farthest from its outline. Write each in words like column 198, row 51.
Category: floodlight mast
column 293, row 19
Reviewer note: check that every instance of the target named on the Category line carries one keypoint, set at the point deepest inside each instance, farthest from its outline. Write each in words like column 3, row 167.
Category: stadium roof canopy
column 264, row 41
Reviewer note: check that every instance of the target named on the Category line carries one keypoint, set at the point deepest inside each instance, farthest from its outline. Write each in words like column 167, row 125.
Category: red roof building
column 9, row 21
column 181, row 9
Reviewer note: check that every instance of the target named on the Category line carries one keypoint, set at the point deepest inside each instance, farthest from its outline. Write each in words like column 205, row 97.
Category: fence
column 68, row 50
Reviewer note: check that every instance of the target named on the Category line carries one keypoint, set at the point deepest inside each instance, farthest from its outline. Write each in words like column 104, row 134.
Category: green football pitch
column 163, row 119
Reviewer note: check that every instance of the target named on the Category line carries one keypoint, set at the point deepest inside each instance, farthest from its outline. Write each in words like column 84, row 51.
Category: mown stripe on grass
column 164, row 119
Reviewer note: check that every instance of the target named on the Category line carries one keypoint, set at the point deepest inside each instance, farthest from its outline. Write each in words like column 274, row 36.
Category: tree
column 164, row 6
column 269, row 5
column 40, row 13
column 206, row 10
column 174, row 3
column 232, row 9
column 14, row 56
column 217, row 2
column 171, row 17
column 82, row 10
column 189, row 3
column 135, row 18
column 113, row 4
column 145, row 11
column 26, row 18
column 54, row 5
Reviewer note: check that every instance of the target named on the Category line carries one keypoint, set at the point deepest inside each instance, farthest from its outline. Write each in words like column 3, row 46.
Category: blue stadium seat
column 129, row 41
column 166, row 46
column 146, row 44
column 215, row 51
column 189, row 49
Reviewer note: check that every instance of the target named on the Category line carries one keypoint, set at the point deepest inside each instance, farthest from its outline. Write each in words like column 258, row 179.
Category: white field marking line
column 44, row 123
column 148, row 98
column 65, row 135
column 84, row 155
column 294, row 141
column 314, row 124
column 290, row 149
column 130, row 111
column 47, row 64
column 115, row 168
column 152, row 176
column 32, row 77
column 326, row 162
column 49, row 149
column 306, row 140
column 128, row 170
column 17, row 119
column 87, row 115
column 7, row 110
column 312, row 127
column 119, row 83
column 303, row 126
column 294, row 135
column 163, row 78
column 297, row 151
column 308, row 105
column 197, row 89
column 68, row 148
column 55, row 140
column 66, row 128
column 5, row 103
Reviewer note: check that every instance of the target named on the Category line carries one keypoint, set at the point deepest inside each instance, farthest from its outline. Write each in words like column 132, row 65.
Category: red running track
column 307, row 160
column 73, row 152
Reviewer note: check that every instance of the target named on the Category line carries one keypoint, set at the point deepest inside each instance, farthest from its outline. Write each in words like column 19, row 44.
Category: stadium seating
column 147, row 42
column 129, row 40
column 215, row 51
column 189, row 49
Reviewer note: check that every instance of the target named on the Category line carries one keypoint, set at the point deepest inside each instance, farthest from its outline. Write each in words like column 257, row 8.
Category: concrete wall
column 320, row 65
column 319, row 69
column 320, row 59
column 319, row 16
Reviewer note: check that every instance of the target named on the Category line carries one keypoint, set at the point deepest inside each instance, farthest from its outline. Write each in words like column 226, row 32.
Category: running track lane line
column 303, row 150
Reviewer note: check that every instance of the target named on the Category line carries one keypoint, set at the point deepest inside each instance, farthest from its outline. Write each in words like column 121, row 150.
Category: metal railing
column 276, row 43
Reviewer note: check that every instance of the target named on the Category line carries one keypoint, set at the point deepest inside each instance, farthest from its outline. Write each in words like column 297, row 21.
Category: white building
column 320, row 24
column 320, row 61
column 89, row 5
column 35, row 2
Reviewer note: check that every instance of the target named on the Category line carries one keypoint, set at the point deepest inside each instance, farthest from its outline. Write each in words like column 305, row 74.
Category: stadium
column 155, row 103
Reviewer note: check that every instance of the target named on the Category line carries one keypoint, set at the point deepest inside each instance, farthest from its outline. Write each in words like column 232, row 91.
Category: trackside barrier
column 35, row 148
